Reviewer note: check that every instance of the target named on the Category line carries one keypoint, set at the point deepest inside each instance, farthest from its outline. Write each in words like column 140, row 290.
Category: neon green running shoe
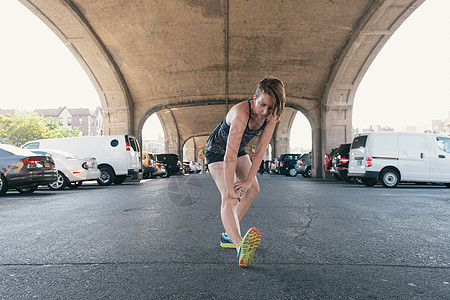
column 249, row 244
column 225, row 242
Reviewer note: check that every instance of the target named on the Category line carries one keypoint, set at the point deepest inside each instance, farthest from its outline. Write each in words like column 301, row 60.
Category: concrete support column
column 117, row 122
column 172, row 141
column 281, row 145
column 189, row 153
column 314, row 117
column 336, row 128
column 281, row 136
column 202, row 162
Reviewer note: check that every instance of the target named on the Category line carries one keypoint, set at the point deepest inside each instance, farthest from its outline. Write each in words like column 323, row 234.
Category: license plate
column 46, row 164
column 359, row 162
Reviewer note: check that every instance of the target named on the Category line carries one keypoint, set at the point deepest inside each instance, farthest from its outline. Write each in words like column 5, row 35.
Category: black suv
column 339, row 162
column 171, row 163
column 286, row 164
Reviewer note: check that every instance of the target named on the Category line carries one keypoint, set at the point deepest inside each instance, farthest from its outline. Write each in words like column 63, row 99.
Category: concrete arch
column 371, row 34
column 279, row 142
column 177, row 57
column 72, row 28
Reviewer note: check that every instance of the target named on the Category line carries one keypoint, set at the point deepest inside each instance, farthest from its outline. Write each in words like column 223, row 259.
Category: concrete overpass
column 189, row 61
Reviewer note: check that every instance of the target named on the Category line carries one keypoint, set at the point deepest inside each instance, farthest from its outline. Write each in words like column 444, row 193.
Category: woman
column 231, row 168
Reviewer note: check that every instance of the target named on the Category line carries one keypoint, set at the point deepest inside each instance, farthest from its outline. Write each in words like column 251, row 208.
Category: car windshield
column 15, row 150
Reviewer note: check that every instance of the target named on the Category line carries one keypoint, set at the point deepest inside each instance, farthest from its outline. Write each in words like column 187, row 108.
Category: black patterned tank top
column 217, row 141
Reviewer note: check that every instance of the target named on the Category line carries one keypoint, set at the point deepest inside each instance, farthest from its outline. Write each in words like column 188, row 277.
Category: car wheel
column 309, row 172
column 60, row 183
column 107, row 176
column 3, row 185
column 369, row 181
column 389, row 178
column 74, row 185
column 120, row 179
column 292, row 172
column 27, row 189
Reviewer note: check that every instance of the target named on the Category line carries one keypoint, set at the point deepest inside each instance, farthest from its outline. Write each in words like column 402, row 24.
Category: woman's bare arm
column 237, row 117
column 264, row 140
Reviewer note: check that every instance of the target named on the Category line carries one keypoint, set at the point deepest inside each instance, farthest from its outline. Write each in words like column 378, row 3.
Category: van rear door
column 357, row 163
column 414, row 157
column 133, row 154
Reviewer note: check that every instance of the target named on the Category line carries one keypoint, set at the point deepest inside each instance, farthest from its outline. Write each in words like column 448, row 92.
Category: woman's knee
column 229, row 202
column 254, row 189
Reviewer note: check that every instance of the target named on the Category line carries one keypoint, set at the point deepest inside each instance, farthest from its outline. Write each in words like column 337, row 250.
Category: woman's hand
column 241, row 187
column 234, row 195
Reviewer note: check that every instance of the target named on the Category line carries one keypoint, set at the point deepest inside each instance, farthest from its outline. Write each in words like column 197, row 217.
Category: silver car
column 303, row 165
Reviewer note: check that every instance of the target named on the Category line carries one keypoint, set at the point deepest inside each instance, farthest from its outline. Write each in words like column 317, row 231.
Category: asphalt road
column 159, row 239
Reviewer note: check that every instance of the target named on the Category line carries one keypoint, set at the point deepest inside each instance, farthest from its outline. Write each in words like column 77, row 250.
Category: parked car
column 118, row 156
column 72, row 171
column 286, row 164
column 339, row 163
column 303, row 165
column 171, row 162
column 273, row 166
column 192, row 167
column 160, row 171
column 189, row 167
column 24, row 170
column 148, row 165
column 327, row 160
column 393, row 157
column 198, row 166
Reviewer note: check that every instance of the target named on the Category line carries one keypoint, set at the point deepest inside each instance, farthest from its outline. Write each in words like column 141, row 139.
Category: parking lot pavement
column 160, row 239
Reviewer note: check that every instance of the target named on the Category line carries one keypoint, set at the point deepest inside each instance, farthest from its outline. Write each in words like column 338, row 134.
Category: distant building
column 154, row 146
column 89, row 122
column 441, row 126
column 373, row 128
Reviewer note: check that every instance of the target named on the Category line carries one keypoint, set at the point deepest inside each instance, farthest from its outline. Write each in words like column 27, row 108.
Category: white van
column 118, row 156
column 392, row 157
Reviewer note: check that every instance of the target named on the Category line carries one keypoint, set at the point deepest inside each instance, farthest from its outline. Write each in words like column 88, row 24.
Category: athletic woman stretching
column 231, row 168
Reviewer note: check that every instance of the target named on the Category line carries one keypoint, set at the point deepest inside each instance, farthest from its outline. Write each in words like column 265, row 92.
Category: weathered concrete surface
column 160, row 239
column 180, row 58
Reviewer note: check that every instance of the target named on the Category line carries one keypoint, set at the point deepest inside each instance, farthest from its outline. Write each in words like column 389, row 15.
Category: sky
column 405, row 85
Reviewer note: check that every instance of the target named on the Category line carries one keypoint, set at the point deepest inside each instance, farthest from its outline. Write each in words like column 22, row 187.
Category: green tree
column 19, row 129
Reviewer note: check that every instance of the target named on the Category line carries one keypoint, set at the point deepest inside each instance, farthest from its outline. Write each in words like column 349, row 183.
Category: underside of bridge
column 189, row 61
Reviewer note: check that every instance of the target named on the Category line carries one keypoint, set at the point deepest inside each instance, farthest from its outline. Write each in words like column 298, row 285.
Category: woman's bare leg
column 229, row 210
column 242, row 168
